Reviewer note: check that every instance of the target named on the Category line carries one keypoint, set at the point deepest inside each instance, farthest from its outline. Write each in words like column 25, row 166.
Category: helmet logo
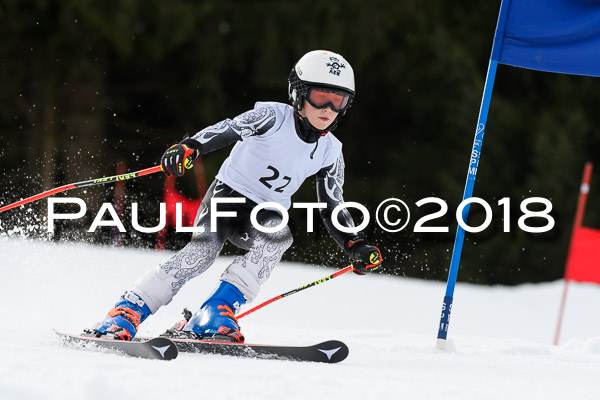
column 335, row 66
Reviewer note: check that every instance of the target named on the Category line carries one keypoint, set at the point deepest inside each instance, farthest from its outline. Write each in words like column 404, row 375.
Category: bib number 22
column 274, row 176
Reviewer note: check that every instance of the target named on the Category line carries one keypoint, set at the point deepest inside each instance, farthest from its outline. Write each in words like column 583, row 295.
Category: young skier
column 277, row 146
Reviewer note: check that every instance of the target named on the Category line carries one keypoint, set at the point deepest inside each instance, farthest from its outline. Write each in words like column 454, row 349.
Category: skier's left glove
column 365, row 258
column 180, row 157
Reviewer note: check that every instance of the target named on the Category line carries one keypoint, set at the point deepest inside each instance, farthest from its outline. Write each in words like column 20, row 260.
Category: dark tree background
column 86, row 84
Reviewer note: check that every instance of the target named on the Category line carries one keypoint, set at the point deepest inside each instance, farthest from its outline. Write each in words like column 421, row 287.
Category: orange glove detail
column 177, row 159
column 365, row 258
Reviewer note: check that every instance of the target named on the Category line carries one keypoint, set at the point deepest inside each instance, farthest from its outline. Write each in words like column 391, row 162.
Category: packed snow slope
column 502, row 335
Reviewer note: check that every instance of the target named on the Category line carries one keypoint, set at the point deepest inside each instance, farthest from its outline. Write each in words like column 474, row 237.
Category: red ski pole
column 91, row 182
column 315, row 283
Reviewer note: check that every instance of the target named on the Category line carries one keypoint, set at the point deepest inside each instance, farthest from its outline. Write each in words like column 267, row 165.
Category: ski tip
column 63, row 336
column 159, row 348
column 333, row 351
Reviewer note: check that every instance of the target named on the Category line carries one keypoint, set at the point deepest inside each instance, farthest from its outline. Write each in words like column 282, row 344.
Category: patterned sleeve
column 229, row 131
column 330, row 181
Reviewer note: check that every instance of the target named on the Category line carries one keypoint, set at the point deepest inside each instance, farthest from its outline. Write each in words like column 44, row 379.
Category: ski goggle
column 321, row 98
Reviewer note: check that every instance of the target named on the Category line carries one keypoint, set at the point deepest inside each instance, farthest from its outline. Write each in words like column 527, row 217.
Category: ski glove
column 365, row 258
column 180, row 157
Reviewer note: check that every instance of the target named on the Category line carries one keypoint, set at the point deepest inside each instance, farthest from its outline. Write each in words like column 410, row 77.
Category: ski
column 164, row 348
column 332, row 351
column 158, row 348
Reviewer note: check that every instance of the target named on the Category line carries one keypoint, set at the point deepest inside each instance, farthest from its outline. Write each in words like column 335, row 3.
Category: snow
column 503, row 336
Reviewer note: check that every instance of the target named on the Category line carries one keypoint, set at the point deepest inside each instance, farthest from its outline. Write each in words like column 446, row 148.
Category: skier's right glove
column 180, row 157
column 365, row 258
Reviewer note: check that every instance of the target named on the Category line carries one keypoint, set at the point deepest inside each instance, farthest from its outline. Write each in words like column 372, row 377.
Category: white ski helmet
column 320, row 69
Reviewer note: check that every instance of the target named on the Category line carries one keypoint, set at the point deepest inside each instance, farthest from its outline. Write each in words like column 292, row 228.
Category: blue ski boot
column 215, row 320
column 123, row 320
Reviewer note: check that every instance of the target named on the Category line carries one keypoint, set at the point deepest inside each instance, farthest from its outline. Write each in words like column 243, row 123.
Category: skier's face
column 320, row 118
